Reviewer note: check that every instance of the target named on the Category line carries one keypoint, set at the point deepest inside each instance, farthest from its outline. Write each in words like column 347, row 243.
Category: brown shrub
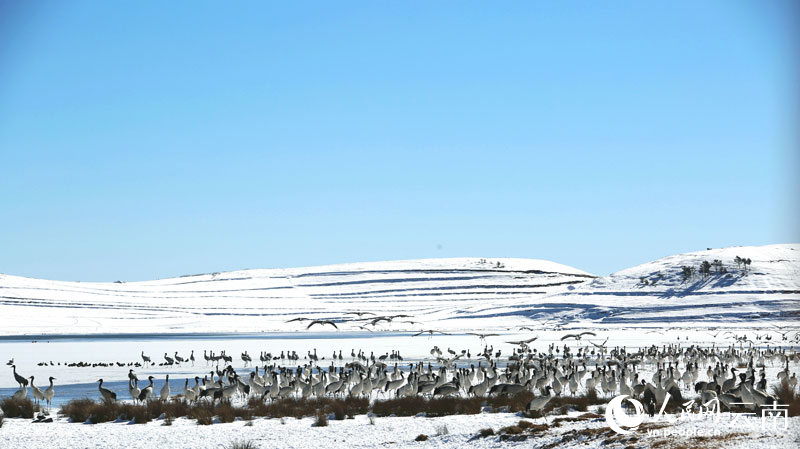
column 78, row 410
column 412, row 405
column 516, row 403
column 787, row 396
column 511, row 430
column 83, row 410
column 23, row 408
column 203, row 415
column 421, row 437
column 322, row 420
column 241, row 445
column 487, row 432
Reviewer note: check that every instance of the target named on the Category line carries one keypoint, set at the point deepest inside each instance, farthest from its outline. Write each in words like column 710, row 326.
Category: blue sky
column 143, row 140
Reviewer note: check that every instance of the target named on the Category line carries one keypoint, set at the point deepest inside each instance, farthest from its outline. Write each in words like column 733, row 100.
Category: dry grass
column 242, row 445
column 204, row 417
column 483, row 433
column 322, row 420
column 87, row 410
column 23, row 408
column 787, row 396
column 413, row 405
column 299, row 408
column 514, row 403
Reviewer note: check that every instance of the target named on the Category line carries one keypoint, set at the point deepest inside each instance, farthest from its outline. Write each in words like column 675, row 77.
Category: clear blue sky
column 151, row 139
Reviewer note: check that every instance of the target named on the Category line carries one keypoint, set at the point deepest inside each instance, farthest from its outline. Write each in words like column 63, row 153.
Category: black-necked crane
column 38, row 394
column 538, row 404
column 170, row 360
column 482, row 336
column 145, row 359
column 20, row 394
column 189, row 394
column 578, row 337
column 178, row 358
column 133, row 388
column 107, row 394
column 165, row 390
column 50, row 392
column 191, row 357
column 145, row 394
column 430, row 333
column 23, row 382
column 322, row 322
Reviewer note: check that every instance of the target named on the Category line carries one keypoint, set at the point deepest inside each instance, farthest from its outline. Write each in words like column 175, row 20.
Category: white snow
column 461, row 294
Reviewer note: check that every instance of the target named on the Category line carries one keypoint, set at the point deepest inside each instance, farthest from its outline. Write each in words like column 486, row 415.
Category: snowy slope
column 263, row 300
column 656, row 293
column 463, row 294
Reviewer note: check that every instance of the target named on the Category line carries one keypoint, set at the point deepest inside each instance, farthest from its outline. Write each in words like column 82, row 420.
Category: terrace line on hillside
column 460, row 294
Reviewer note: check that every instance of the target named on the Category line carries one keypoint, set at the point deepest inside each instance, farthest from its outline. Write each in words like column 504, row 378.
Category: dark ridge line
column 397, row 280
column 434, row 270
column 672, row 294
column 449, row 287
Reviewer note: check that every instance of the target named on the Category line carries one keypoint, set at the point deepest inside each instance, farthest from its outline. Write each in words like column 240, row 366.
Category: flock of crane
column 732, row 374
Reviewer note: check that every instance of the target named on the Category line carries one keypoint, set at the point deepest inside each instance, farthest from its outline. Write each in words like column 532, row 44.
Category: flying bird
column 523, row 342
column 322, row 322
column 578, row 336
column 430, row 333
column 482, row 336
column 360, row 314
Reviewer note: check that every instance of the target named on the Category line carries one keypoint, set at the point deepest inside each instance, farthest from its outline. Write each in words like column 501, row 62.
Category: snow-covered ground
column 446, row 432
column 45, row 321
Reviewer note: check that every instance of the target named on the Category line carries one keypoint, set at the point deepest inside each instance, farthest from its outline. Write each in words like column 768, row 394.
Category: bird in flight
column 601, row 345
column 430, row 333
column 379, row 319
column 298, row 319
column 322, row 322
column 360, row 314
column 482, row 336
column 578, row 336
column 523, row 342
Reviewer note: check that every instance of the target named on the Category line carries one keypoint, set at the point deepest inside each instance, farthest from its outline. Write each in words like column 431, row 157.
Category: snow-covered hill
column 657, row 294
column 263, row 300
column 461, row 294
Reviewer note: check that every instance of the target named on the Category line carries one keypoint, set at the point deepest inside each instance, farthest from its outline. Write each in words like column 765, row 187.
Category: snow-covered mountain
column 459, row 294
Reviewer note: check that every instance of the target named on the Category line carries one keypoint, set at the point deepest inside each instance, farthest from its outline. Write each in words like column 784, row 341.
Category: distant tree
column 717, row 264
column 738, row 261
column 688, row 273
column 747, row 263
column 705, row 268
